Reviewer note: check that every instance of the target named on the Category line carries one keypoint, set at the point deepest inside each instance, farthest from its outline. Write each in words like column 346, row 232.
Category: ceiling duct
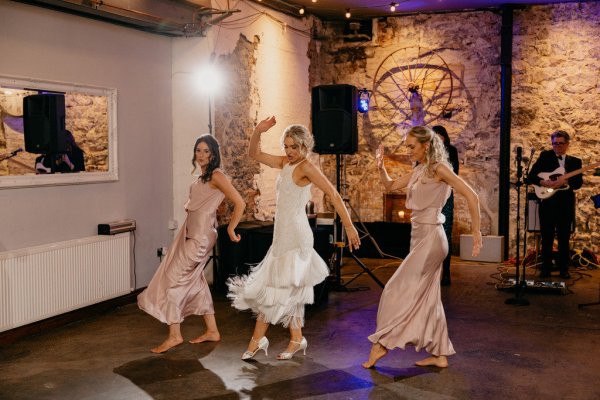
column 164, row 17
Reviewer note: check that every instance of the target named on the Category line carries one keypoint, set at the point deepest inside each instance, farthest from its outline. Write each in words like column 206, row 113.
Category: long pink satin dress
column 179, row 288
column 410, row 310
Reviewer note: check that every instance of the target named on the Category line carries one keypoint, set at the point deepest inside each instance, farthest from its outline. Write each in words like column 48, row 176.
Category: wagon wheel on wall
column 412, row 86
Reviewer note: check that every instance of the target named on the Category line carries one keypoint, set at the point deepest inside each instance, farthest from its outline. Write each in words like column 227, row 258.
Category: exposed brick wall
column 556, row 85
column 469, row 43
column 556, row 66
column 233, row 124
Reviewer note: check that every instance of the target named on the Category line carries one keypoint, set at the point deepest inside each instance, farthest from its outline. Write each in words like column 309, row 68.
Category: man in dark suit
column 557, row 213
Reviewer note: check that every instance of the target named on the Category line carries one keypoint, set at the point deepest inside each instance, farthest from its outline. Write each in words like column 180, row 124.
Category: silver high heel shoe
column 286, row 355
column 263, row 344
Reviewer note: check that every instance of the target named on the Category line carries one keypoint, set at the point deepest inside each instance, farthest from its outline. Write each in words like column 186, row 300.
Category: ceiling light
column 301, row 10
column 348, row 15
column 393, row 7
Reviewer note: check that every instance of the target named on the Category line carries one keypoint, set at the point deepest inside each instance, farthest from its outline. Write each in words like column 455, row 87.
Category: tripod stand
column 339, row 237
column 520, row 283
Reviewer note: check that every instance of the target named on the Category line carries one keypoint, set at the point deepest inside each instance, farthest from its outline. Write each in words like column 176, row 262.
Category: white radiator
column 44, row 281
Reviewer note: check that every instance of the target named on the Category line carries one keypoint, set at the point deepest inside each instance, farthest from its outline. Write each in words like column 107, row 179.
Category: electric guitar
column 543, row 192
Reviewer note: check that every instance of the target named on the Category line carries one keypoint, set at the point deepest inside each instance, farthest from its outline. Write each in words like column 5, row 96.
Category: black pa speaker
column 44, row 123
column 334, row 119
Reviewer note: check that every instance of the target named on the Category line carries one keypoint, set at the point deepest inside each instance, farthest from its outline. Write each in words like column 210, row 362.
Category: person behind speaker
column 278, row 288
column 179, row 288
column 410, row 310
column 72, row 160
column 448, row 210
column 557, row 213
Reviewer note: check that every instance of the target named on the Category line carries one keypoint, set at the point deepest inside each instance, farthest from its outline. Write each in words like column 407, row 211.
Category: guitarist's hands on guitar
column 554, row 183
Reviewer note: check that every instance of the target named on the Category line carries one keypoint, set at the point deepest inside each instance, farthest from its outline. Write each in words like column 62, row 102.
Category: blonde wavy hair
column 301, row 136
column 436, row 152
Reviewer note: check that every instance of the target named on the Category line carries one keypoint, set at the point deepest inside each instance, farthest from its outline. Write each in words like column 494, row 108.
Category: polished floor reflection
column 549, row 349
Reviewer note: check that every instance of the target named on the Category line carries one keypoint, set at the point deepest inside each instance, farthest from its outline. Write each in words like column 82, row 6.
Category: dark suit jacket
column 453, row 157
column 548, row 162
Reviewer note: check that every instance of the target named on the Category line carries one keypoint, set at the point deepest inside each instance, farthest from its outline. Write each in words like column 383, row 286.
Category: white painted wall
column 281, row 78
column 39, row 43
column 160, row 113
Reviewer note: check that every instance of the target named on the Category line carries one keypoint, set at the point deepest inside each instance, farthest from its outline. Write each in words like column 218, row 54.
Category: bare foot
column 167, row 344
column 377, row 351
column 439, row 361
column 207, row 337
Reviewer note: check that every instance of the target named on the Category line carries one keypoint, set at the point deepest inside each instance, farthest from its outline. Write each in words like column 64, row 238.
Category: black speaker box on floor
column 237, row 258
column 393, row 238
column 334, row 123
column 44, row 123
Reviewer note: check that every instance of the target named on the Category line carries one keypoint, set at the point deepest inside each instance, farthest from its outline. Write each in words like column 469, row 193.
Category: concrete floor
column 549, row 349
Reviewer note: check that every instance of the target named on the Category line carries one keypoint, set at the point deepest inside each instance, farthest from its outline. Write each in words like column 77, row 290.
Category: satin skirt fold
column 410, row 310
column 179, row 288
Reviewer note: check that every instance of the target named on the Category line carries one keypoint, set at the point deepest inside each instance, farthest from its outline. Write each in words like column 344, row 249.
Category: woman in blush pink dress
column 178, row 288
column 410, row 310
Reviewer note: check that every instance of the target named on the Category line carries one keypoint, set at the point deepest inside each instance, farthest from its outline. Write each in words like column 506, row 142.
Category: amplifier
column 491, row 251
column 112, row 228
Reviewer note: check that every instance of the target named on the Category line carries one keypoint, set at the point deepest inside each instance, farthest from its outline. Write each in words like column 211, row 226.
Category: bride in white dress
column 277, row 289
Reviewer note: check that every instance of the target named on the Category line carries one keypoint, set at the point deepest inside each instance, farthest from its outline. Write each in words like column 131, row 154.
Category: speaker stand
column 340, row 239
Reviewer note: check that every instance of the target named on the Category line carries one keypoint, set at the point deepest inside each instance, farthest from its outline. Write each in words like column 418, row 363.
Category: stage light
column 314, row 1
column 301, row 10
column 364, row 98
column 393, row 7
column 209, row 78
column 348, row 15
column 209, row 81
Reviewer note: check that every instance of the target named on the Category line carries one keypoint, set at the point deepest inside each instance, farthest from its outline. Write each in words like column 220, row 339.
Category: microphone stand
column 519, row 283
column 526, row 180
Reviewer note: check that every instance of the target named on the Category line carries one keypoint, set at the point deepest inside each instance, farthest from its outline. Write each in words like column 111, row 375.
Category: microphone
column 532, row 152
column 16, row 151
column 519, row 153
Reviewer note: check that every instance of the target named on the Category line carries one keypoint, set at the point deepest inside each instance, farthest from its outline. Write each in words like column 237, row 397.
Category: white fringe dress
column 277, row 289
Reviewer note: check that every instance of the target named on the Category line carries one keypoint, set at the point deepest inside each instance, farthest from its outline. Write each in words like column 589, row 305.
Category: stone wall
column 466, row 47
column 556, row 85
column 233, row 124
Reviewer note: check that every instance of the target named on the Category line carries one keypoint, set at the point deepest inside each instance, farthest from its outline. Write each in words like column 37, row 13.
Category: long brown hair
column 215, row 156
